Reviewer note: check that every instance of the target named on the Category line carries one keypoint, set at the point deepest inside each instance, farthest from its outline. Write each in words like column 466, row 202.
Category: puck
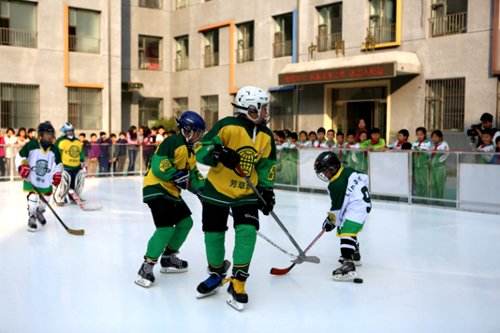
column 357, row 280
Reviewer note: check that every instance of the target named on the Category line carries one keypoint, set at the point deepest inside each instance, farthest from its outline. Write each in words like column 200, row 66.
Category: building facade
column 59, row 61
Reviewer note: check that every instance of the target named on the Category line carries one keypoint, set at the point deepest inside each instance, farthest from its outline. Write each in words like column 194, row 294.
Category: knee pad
column 33, row 203
column 79, row 182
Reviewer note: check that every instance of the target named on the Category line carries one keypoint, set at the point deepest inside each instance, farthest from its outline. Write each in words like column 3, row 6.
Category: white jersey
column 440, row 147
column 425, row 145
column 350, row 196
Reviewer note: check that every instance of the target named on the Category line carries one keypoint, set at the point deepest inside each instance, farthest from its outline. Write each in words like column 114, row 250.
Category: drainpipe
column 109, row 66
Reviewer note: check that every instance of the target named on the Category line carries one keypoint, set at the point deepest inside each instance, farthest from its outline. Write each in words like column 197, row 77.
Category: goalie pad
column 63, row 188
column 79, row 182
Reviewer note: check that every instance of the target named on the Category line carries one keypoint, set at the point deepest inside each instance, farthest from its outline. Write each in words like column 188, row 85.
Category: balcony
column 244, row 54
column 181, row 63
column 153, row 4
column 211, row 59
column 150, row 63
column 448, row 24
column 382, row 32
column 84, row 44
column 328, row 42
column 282, row 48
column 19, row 38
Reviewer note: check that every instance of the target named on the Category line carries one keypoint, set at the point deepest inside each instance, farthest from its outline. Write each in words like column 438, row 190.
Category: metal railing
column 211, row 59
column 329, row 41
column 448, row 24
column 382, row 32
column 244, row 54
column 181, row 63
column 148, row 63
column 154, row 4
column 84, row 44
column 20, row 38
column 282, row 48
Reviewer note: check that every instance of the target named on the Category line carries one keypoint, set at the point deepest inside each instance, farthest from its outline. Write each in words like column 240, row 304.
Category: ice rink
column 424, row 270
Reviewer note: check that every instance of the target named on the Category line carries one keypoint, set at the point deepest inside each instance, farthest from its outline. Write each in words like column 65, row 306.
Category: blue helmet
column 191, row 121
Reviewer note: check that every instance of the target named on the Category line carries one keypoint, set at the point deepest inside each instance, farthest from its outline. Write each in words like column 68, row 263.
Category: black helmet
column 46, row 127
column 327, row 160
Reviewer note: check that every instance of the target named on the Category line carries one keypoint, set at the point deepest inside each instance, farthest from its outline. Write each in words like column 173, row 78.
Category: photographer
column 476, row 130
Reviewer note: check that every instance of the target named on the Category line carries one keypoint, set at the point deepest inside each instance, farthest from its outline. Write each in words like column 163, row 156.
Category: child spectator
column 93, row 157
column 330, row 139
column 22, row 137
column 85, row 144
column 132, row 147
column 313, row 140
column 376, row 143
column 361, row 128
column 496, row 159
column 403, row 136
column 438, row 164
column 486, row 146
column 293, row 140
column 302, row 142
column 32, row 134
column 104, row 153
column 161, row 134
column 340, row 140
column 121, row 152
column 406, row 146
column 280, row 139
column 321, row 138
column 10, row 154
column 421, row 162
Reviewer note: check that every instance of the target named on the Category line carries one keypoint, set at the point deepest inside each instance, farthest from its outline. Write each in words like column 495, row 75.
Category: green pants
column 421, row 180
column 438, row 181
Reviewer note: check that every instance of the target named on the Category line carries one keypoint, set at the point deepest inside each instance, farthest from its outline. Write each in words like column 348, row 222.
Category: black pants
column 214, row 218
column 168, row 212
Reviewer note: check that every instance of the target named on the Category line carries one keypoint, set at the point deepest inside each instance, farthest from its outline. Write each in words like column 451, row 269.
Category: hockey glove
column 24, row 170
column 181, row 179
column 268, row 195
column 228, row 157
column 329, row 223
column 56, row 178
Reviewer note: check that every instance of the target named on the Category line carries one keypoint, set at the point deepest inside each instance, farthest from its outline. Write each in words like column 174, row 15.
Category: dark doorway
column 360, row 110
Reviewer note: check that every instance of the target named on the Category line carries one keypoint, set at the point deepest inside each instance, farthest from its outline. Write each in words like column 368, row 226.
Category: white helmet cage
column 251, row 101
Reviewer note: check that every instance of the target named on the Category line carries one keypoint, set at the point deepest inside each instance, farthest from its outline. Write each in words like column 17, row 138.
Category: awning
column 366, row 66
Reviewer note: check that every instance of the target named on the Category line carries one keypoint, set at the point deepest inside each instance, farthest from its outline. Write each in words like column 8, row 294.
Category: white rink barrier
column 389, row 174
column 479, row 187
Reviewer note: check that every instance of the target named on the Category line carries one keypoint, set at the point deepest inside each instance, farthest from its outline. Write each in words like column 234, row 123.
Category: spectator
column 406, row 146
column 352, row 157
column 22, row 137
column 85, row 144
column 313, row 140
column 487, row 146
column 161, row 134
column 94, row 153
column 496, row 159
column 121, row 152
column 104, row 153
column 403, row 136
column 363, row 136
column 330, row 139
column 421, row 162
column 321, row 138
column 293, row 140
column 477, row 130
column 302, row 139
column 132, row 142
column 438, row 164
column 280, row 140
column 148, row 145
column 32, row 134
column 113, row 152
column 340, row 140
column 2, row 155
column 10, row 153
column 361, row 128
column 171, row 132
column 376, row 143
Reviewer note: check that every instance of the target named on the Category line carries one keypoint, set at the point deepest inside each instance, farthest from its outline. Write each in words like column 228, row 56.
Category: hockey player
column 172, row 169
column 351, row 205
column 39, row 164
column 421, row 162
column 73, row 158
column 242, row 140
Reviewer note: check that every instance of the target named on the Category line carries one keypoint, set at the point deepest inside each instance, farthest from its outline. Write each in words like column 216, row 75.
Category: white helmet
column 252, row 102
column 68, row 127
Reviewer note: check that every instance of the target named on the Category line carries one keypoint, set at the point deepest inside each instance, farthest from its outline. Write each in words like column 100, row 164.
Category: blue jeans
column 132, row 155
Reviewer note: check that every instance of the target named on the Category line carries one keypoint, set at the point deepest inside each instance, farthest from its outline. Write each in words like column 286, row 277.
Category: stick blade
column 281, row 271
column 311, row 259
column 76, row 232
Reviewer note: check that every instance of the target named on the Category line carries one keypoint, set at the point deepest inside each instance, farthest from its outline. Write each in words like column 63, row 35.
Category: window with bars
column 211, row 52
column 18, row 23
column 210, row 110
column 445, row 104
column 150, row 110
column 149, row 53
column 84, row 30
column 153, row 4
column 181, row 53
column 19, row 105
column 283, row 31
column 180, row 105
column 245, row 42
column 383, row 17
column 448, row 17
column 85, row 108
column 330, row 26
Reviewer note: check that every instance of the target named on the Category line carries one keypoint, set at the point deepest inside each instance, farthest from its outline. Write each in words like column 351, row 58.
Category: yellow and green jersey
column 254, row 144
column 71, row 151
column 171, row 156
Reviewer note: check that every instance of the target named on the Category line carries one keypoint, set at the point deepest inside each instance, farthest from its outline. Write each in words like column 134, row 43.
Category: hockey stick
column 302, row 256
column 76, row 232
column 283, row 271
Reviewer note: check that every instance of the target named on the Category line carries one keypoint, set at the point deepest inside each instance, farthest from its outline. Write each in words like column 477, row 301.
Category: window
column 245, row 42
column 448, row 17
column 19, row 105
column 179, row 4
column 150, row 110
column 210, row 110
column 445, row 104
column 85, row 108
column 84, row 30
column 180, row 105
column 283, row 30
column 149, row 53
column 181, row 53
column 211, row 55
column 18, row 25
column 154, row 4
column 383, row 25
column 330, row 27
column 281, row 109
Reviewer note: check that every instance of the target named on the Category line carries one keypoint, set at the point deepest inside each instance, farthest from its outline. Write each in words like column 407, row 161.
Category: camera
column 472, row 131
